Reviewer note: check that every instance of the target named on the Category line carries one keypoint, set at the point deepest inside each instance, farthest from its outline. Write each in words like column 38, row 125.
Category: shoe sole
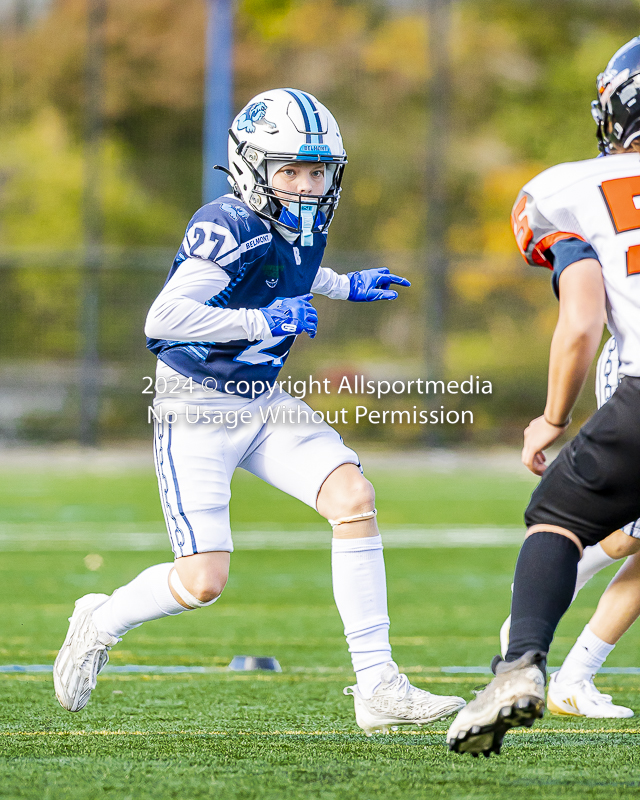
column 487, row 739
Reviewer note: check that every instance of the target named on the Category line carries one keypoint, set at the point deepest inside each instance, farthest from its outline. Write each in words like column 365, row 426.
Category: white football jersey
column 590, row 209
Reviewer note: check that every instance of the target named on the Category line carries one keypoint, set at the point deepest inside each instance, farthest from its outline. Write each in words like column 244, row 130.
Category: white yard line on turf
column 18, row 537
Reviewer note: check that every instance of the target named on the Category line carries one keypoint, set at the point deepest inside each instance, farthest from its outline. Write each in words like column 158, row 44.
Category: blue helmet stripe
column 310, row 114
column 314, row 117
column 305, row 116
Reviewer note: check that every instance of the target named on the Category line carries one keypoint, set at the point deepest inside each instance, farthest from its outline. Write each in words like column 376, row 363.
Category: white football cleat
column 396, row 702
column 515, row 697
column 582, row 699
column 82, row 656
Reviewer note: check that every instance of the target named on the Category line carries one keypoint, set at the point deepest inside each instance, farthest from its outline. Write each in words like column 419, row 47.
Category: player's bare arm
column 573, row 348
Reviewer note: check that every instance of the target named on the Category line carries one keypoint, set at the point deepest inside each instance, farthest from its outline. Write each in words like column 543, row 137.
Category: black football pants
column 591, row 489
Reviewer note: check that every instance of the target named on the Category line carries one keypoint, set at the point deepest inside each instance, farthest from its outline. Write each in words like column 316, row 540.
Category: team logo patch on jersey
column 255, row 115
column 272, row 274
column 236, row 212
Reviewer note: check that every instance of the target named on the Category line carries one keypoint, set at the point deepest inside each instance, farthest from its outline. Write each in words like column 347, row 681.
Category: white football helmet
column 279, row 127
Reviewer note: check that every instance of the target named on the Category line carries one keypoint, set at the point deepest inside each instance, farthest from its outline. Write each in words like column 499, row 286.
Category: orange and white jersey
column 590, row 209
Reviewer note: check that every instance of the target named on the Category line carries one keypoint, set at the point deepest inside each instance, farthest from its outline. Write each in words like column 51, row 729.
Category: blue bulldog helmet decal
column 254, row 115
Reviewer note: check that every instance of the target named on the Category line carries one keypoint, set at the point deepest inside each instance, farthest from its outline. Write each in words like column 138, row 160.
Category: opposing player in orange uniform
column 583, row 220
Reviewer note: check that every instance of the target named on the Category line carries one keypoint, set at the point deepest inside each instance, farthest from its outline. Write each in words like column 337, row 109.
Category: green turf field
column 289, row 735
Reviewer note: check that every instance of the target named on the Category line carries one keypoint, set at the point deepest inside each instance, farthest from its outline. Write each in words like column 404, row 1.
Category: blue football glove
column 291, row 316
column 373, row 284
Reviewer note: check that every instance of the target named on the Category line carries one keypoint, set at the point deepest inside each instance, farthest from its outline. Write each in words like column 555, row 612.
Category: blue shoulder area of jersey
column 566, row 252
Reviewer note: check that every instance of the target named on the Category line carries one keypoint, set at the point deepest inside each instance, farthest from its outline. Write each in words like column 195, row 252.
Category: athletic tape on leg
column 355, row 518
column 184, row 594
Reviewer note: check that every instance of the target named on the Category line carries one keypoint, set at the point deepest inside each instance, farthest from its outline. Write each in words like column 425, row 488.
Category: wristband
column 564, row 424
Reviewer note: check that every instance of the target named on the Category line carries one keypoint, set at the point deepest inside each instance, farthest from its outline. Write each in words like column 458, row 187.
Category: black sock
column 544, row 583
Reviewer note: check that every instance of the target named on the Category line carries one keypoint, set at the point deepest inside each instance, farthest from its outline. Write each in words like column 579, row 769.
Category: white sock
column 147, row 597
column 585, row 658
column 593, row 560
column 360, row 592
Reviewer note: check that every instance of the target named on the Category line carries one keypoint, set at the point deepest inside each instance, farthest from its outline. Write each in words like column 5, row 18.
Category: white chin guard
column 355, row 518
column 184, row 594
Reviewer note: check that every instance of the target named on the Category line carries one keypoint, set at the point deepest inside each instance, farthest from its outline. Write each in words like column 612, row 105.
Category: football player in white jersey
column 571, row 690
column 237, row 296
column 582, row 220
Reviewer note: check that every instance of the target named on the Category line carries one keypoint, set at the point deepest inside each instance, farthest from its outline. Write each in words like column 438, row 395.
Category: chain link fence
column 499, row 318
